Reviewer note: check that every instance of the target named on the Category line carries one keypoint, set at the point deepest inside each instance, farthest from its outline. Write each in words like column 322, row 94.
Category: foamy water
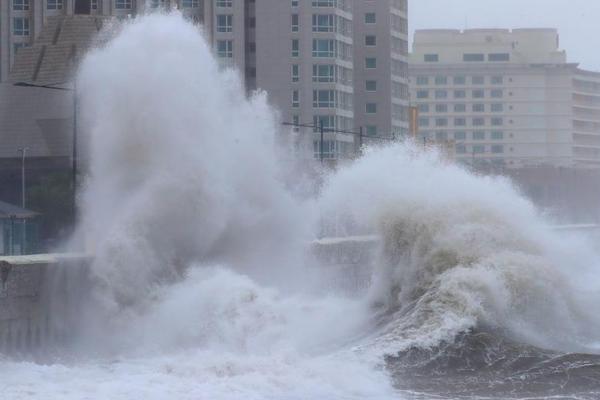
column 204, row 287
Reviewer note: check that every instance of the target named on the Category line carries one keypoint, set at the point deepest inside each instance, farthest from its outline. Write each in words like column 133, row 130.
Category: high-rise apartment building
column 342, row 64
column 381, row 67
column 506, row 98
column 339, row 63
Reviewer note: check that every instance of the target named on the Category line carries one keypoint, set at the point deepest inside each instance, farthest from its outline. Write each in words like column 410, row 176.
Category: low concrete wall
column 37, row 298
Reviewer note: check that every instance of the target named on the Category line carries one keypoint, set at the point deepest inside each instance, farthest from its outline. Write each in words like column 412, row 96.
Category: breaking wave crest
column 462, row 252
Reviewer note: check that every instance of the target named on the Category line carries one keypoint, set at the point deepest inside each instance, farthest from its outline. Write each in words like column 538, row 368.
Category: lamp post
column 74, row 136
column 23, row 152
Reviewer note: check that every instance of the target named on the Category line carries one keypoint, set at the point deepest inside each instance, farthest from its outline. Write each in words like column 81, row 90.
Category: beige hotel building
column 505, row 98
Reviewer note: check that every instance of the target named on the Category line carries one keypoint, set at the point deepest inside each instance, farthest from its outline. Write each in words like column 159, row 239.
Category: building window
column 459, row 80
column 295, row 73
column 123, row 4
column 324, row 98
column 224, row 23
column 479, row 107
column 323, row 73
column 441, row 94
column 460, row 121
column 370, row 18
column 479, row 135
column 20, row 5
column 295, row 99
column 327, row 121
column 478, row 149
column 423, row 108
column 18, row 46
column 441, row 122
column 224, row 3
column 496, row 93
column 370, row 40
column 21, row 26
column 370, row 62
column 225, row 48
column 422, row 80
column 497, row 80
column 460, row 107
column 295, row 23
column 461, row 149
column 295, row 48
column 371, row 86
column 324, row 3
column 372, row 130
column 94, row 4
column 441, row 108
column 460, row 135
column 190, row 3
column 323, row 23
column 423, row 121
column 294, row 3
column 371, row 108
column 472, row 57
column 422, row 94
column 497, row 149
column 497, row 122
column 497, row 107
column 478, row 80
column 58, row 4
column 323, row 48
column 441, row 136
column 478, row 121
column 460, row 94
column 441, row 80
column 499, row 57
column 497, row 135
column 431, row 58
column 478, row 94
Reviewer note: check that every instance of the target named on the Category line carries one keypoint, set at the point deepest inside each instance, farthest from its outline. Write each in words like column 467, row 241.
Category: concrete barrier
column 37, row 296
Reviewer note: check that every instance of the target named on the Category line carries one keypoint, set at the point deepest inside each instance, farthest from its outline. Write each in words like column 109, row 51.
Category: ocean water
column 204, row 283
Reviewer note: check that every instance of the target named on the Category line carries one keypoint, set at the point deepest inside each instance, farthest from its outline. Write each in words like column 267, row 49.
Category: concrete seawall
column 38, row 296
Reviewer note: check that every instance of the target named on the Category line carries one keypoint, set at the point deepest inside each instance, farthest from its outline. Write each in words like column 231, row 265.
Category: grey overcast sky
column 578, row 21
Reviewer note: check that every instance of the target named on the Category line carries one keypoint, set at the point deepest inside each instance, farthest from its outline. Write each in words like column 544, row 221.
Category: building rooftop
column 517, row 46
column 55, row 53
column 8, row 210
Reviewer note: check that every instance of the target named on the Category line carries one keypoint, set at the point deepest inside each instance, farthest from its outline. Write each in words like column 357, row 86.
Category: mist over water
column 204, row 282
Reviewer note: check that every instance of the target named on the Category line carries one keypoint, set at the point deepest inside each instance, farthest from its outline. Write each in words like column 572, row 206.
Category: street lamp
column 23, row 152
column 74, row 137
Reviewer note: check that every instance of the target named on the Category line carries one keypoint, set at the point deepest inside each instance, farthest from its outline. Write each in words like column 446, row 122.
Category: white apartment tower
column 506, row 98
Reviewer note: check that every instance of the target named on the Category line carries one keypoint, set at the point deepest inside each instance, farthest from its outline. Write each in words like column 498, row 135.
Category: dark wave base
column 480, row 365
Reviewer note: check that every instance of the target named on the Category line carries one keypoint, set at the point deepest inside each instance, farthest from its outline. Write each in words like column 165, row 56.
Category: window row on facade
column 473, row 57
column 325, row 23
column 51, row 5
column 460, row 121
column 459, row 93
column 441, row 80
column 459, row 136
column 425, row 108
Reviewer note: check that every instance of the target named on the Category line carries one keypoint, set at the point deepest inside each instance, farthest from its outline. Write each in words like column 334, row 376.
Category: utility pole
column 74, row 153
column 360, row 139
column 23, row 152
column 322, row 139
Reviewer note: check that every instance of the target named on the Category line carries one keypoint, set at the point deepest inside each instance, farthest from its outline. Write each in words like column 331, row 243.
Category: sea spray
column 183, row 165
column 198, row 243
column 462, row 252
